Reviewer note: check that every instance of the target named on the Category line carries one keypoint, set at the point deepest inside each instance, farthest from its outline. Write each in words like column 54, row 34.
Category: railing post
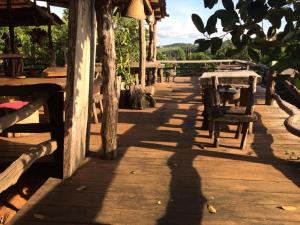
column 270, row 89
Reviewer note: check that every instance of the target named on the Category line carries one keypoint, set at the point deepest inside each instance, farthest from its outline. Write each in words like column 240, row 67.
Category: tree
column 127, row 44
column 278, row 45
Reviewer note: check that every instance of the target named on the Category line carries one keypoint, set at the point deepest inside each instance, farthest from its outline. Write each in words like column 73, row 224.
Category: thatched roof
column 25, row 13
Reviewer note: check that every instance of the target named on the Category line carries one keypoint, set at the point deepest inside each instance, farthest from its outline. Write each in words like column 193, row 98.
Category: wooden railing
column 292, row 123
column 50, row 95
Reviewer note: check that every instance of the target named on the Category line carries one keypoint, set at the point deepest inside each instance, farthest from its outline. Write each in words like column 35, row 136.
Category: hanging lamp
column 136, row 10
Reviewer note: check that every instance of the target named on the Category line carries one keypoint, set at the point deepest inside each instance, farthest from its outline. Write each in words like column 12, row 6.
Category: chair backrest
column 215, row 93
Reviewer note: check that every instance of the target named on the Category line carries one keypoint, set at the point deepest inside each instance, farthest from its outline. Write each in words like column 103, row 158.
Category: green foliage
column 277, row 46
column 172, row 52
column 37, row 51
column 127, row 45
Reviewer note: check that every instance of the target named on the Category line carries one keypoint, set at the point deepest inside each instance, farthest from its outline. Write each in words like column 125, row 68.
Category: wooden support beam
column 78, row 83
column 13, row 118
column 142, row 41
column 11, row 175
column 50, row 41
column 106, row 37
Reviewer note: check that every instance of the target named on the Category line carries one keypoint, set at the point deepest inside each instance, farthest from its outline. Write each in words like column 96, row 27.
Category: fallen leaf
column 293, row 157
column 38, row 216
column 2, row 220
column 81, row 188
column 211, row 209
column 288, row 207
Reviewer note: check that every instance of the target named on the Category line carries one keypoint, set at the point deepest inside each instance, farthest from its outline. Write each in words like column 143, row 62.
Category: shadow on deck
column 167, row 173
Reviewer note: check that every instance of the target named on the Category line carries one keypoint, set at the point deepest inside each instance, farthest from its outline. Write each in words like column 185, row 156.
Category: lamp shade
column 136, row 9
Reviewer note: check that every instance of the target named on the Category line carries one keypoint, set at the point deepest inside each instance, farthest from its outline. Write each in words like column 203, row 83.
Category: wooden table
column 237, row 78
column 150, row 66
column 29, row 81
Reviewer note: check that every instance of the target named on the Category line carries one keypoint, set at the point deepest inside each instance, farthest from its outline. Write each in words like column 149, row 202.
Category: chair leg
column 216, row 134
column 95, row 114
column 101, row 107
column 245, row 130
column 250, row 128
column 211, row 129
column 238, row 131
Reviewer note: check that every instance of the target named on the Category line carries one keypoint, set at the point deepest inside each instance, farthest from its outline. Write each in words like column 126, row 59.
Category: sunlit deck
column 168, row 173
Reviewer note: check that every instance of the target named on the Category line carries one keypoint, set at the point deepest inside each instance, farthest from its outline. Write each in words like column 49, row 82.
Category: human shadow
column 100, row 190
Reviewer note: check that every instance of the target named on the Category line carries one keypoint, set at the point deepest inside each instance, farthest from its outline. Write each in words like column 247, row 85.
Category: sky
column 178, row 27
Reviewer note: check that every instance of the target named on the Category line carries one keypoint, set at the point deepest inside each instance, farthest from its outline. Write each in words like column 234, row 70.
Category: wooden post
column 50, row 41
column 154, row 40
column 78, row 83
column 270, row 89
column 11, row 29
column 150, row 47
column 142, row 62
column 154, row 50
column 106, row 37
column 92, row 104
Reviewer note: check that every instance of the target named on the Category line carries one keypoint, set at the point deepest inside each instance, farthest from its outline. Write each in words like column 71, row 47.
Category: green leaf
column 257, row 30
column 232, row 52
column 211, row 25
column 228, row 19
column 257, row 10
column 210, row 3
column 203, row 44
column 198, row 22
column 275, row 17
column 253, row 54
column 271, row 32
column 215, row 45
column 277, row 3
column 228, row 4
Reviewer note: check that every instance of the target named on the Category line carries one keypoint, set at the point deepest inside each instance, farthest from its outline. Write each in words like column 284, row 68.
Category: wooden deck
column 168, row 173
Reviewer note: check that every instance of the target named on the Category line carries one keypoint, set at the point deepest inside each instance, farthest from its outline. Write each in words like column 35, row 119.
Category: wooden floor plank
column 168, row 172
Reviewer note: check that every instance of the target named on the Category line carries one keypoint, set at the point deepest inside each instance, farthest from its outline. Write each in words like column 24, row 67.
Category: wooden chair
column 242, row 115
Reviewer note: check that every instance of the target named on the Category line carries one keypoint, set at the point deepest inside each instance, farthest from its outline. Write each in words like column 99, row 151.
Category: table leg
column 207, row 96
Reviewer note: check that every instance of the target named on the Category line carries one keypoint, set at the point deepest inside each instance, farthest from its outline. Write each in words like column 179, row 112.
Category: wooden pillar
column 154, row 40
column 150, row 47
column 12, row 47
column 142, row 62
column 50, row 41
column 78, row 83
column 106, row 37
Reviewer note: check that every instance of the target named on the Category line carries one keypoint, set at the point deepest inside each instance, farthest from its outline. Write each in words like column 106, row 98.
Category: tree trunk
column 150, row 47
column 106, row 37
column 154, row 40
column 142, row 54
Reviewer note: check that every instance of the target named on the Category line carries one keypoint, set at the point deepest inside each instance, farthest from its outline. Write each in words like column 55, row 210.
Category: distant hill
column 183, row 46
